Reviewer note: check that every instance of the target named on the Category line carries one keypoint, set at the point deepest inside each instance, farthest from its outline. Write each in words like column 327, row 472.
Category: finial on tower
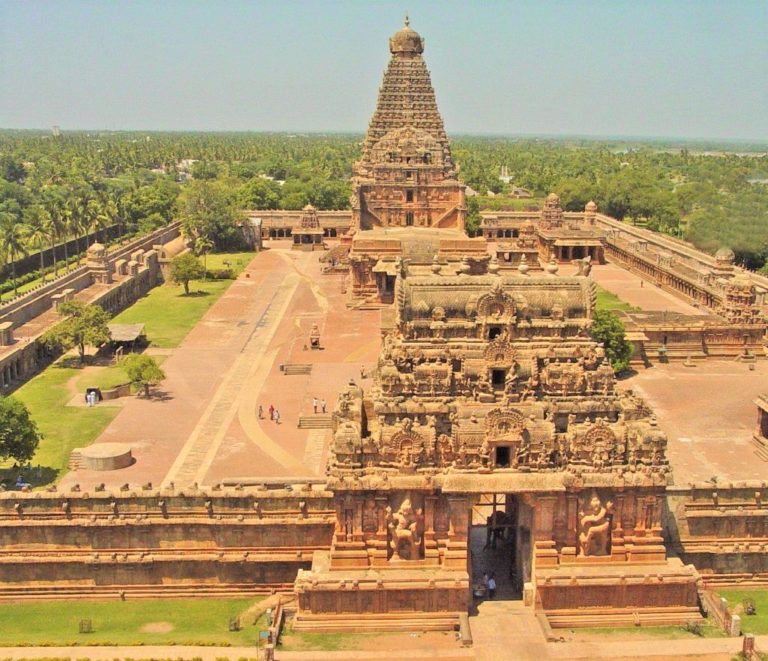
column 407, row 20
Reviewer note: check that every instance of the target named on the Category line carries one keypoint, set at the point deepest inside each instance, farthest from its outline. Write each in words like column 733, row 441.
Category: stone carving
column 405, row 529
column 595, row 527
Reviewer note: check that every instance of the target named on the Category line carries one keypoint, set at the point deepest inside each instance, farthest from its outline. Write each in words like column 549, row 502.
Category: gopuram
column 490, row 383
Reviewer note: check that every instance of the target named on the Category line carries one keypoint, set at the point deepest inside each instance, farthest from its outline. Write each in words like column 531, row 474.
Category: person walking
column 261, row 412
column 314, row 404
column 322, row 405
column 271, row 412
column 277, row 417
column 492, row 586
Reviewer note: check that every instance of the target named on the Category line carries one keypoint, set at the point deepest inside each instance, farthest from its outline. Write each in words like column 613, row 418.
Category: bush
column 220, row 274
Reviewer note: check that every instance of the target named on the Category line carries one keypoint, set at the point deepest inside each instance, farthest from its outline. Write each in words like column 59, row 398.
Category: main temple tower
column 406, row 176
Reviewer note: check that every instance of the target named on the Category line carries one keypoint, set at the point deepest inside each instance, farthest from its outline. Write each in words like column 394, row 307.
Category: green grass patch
column 706, row 630
column 169, row 315
column 139, row 622
column 64, row 428
column 300, row 641
column 607, row 300
column 107, row 377
column 757, row 623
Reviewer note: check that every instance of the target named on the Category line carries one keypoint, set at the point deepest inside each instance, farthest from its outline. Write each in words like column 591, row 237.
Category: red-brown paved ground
column 709, row 416
column 627, row 287
column 205, row 427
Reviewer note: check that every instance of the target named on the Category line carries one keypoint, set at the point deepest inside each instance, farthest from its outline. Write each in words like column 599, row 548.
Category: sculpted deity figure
column 595, row 525
column 405, row 528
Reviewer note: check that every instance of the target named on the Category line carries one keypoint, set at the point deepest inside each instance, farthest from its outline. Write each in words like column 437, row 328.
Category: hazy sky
column 633, row 67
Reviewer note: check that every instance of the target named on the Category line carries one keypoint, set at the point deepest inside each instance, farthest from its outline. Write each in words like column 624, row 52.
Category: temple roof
column 406, row 99
column 406, row 41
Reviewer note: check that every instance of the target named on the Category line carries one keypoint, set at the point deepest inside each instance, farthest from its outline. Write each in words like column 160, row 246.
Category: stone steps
column 760, row 449
column 315, row 421
column 192, row 590
column 378, row 622
column 650, row 617
column 75, row 460
column 297, row 369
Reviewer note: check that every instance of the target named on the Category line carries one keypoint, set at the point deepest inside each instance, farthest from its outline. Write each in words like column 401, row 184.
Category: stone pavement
column 202, row 425
column 709, row 415
column 627, row 286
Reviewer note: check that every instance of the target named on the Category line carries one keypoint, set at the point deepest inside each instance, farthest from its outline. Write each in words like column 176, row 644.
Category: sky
column 672, row 68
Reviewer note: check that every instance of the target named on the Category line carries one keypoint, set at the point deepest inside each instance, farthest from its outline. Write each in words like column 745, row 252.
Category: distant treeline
column 709, row 193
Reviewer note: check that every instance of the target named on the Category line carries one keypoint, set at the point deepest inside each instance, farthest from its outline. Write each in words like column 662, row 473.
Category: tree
column 184, row 268
column 473, row 216
column 207, row 211
column 19, row 436
column 608, row 329
column 203, row 246
column 13, row 237
column 84, row 325
column 39, row 231
column 143, row 371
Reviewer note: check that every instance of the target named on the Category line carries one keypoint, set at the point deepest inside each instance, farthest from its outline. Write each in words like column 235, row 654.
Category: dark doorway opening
column 494, row 332
column 502, row 456
column 500, row 545
column 498, row 378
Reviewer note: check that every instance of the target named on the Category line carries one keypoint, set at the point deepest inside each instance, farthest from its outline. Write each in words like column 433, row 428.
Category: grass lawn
column 299, row 641
column 609, row 301
column 107, row 377
column 138, row 622
column 63, row 427
column 169, row 315
column 669, row 632
column 757, row 623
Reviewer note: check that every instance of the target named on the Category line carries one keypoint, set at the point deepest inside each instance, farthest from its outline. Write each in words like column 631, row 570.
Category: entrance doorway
column 500, row 545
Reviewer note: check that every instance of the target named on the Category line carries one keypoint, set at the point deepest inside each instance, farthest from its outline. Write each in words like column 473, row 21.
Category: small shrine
column 308, row 235
column 98, row 263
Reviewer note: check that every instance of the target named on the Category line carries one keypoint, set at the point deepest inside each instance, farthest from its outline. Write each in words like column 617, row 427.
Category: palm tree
column 12, row 241
column 108, row 213
column 54, row 204
column 75, row 216
column 203, row 245
column 39, row 231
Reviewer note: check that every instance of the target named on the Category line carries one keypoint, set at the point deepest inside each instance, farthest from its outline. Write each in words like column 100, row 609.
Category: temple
column 491, row 384
column 406, row 176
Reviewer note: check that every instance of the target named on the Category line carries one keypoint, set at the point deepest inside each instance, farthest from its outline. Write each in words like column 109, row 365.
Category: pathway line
column 199, row 451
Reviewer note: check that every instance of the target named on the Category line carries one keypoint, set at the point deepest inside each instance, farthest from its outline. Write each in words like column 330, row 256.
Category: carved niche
column 506, row 427
column 405, row 447
column 499, row 353
column 405, row 531
column 496, row 306
column 597, row 446
column 595, row 522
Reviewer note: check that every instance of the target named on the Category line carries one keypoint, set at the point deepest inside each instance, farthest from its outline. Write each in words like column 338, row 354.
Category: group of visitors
column 318, row 403
column 274, row 414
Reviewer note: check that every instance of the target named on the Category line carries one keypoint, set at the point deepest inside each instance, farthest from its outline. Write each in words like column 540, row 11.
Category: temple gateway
column 490, row 399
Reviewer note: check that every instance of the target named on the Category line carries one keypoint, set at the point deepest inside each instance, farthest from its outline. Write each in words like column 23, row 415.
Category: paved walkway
column 708, row 413
column 633, row 290
column 503, row 637
column 202, row 426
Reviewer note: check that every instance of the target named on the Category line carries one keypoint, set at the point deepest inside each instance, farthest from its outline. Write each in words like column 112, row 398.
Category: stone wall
column 23, row 359
column 722, row 529
column 37, row 301
column 159, row 541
